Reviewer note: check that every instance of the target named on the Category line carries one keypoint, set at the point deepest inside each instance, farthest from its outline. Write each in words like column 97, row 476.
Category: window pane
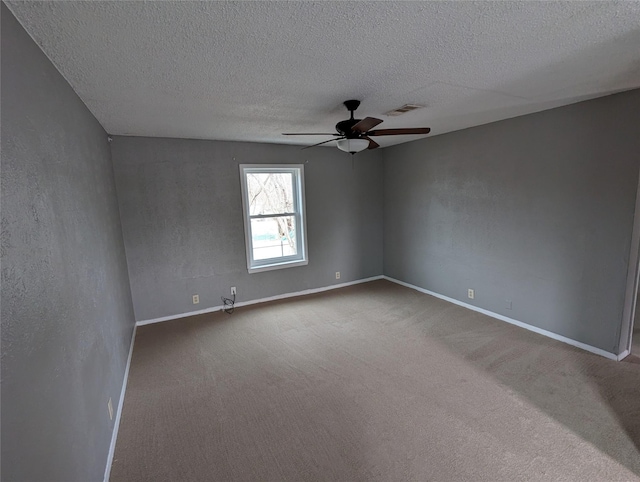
column 273, row 237
column 270, row 192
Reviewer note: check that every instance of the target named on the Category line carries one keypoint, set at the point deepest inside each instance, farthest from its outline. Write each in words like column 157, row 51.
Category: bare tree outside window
column 271, row 196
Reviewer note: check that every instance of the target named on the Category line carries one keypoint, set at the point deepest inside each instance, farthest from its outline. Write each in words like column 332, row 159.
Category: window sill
column 286, row 264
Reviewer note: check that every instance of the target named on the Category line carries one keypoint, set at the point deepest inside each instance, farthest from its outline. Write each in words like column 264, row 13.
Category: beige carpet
column 371, row 382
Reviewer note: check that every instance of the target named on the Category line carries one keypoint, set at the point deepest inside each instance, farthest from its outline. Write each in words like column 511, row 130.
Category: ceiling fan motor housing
column 344, row 128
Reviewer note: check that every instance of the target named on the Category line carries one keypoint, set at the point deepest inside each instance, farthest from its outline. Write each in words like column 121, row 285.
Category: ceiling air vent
column 403, row 110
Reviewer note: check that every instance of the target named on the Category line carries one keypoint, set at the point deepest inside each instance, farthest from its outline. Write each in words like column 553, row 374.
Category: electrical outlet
column 471, row 294
column 110, row 407
column 196, row 299
column 337, row 274
column 233, row 290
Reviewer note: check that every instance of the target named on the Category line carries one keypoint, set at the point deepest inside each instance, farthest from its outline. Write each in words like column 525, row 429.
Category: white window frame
column 299, row 213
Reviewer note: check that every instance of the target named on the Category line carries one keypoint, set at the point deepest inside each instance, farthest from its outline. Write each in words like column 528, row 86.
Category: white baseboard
column 623, row 355
column 180, row 315
column 526, row 326
column 260, row 300
column 116, row 425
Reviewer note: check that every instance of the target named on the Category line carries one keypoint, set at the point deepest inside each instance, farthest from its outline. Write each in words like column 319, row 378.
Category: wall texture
column 534, row 212
column 181, row 211
column 67, row 316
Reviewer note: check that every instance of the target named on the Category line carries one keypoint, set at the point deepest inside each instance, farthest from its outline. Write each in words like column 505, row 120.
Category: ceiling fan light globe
column 353, row 145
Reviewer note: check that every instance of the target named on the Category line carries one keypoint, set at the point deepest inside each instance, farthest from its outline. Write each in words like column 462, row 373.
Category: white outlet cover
column 337, row 274
column 471, row 294
column 196, row 299
column 110, row 407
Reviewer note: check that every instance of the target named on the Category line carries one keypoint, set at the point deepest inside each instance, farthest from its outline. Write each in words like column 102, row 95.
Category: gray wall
column 537, row 210
column 182, row 220
column 67, row 316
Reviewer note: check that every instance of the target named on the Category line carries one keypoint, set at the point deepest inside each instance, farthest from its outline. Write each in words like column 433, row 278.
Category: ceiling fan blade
column 308, row 134
column 372, row 144
column 365, row 124
column 320, row 143
column 399, row 132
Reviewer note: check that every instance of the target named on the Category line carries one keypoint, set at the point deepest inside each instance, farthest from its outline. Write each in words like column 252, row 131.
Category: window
column 274, row 216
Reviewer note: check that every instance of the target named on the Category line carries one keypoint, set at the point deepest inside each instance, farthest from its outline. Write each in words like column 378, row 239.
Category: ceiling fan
column 354, row 135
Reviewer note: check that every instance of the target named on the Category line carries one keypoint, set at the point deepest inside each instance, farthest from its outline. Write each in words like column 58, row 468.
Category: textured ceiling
column 252, row 70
